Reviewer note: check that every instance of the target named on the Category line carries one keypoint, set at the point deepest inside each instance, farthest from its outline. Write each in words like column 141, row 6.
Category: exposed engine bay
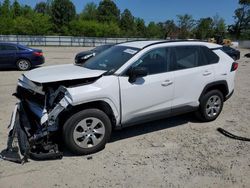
column 34, row 123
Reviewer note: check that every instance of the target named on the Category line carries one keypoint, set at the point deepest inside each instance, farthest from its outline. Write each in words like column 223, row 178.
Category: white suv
column 130, row 83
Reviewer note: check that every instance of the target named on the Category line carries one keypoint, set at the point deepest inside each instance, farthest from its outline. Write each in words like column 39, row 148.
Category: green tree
column 108, row 12
column 127, row 23
column 62, row 12
column 5, row 9
column 6, row 25
column 90, row 28
column 16, row 9
column 89, row 12
column 153, row 30
column 219, row 25
column 23, row 26
column 244, row 2
column 170, row 29
column 41, row 8
column 141, row 29
column 204, row 28
column 186, row 24
column 27, row 11
column 41, row 24
column 241, row 27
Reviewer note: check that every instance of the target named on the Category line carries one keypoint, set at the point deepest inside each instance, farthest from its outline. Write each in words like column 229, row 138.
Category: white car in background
column 128, row 84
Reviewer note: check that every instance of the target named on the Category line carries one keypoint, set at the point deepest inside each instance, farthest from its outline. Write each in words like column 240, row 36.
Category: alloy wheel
column 89, row 132
column 213, row 106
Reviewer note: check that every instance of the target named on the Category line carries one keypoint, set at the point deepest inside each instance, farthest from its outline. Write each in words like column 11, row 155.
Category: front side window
column 155, row 61
column 111, row 59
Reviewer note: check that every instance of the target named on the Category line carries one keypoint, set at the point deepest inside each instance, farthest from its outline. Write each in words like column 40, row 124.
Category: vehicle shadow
column 16, row 70
column 145, row 128
column 153, row 126
column 8, row 69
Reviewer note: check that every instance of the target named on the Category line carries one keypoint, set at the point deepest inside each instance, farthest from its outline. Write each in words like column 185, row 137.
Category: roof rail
column 169, row 41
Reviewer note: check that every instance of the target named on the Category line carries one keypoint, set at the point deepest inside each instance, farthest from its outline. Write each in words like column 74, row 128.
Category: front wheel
column 211, row 105
column 87, row 131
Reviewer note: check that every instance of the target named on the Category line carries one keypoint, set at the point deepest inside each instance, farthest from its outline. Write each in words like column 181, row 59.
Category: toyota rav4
column 128, row 84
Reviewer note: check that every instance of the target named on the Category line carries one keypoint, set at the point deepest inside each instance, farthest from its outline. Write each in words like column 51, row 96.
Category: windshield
column 101, row 48
column 111, row 59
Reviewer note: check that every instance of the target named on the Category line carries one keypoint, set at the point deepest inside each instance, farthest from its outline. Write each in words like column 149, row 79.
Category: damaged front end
column 35, row 123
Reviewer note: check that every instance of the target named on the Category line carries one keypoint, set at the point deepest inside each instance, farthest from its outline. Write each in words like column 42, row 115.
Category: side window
column 210, row 56
column 186, row 57
column 155, row 61
column 9, row 48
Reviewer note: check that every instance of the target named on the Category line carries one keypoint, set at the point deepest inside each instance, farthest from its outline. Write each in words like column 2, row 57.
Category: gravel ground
column 176, row 152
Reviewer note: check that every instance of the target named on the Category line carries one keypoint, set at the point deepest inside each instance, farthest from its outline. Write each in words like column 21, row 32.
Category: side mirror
column 136, row 72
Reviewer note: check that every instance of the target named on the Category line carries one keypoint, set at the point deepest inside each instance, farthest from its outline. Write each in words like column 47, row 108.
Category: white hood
column 61, row 73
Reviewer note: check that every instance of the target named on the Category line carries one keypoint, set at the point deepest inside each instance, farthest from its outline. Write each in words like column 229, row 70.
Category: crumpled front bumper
column 33, row 126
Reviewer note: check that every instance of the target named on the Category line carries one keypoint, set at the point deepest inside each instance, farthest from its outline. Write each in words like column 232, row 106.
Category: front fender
column 105, row 89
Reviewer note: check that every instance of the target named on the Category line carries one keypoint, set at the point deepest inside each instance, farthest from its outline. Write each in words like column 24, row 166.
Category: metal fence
column 62, row 40
column 244, row 44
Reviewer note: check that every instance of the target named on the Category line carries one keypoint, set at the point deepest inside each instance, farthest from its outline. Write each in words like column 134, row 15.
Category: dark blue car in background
column 19, row 56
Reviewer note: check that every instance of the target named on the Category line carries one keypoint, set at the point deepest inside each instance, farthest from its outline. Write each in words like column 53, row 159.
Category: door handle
column 207, row 73
column 167, row 83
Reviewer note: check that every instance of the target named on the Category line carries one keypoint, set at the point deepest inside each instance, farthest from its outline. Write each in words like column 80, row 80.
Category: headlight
column 88, row 56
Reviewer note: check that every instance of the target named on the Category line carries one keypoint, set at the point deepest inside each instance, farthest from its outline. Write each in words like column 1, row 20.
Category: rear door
column 192, row 72
column 7, row 55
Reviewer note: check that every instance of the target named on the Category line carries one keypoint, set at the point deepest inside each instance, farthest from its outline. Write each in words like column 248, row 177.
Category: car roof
column 147, row 43
column 8, row 43
column 15, row 44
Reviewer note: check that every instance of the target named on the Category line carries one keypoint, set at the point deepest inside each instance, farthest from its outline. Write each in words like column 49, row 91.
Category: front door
column 151, row 96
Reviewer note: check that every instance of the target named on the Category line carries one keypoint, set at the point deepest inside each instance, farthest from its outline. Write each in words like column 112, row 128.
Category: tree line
column 59, row 17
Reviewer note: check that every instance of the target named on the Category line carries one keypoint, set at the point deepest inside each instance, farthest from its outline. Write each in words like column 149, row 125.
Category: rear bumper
column 38, row 61
column 229, row 95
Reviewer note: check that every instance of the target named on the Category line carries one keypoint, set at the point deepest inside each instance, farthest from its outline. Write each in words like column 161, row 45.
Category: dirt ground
column 176, row 152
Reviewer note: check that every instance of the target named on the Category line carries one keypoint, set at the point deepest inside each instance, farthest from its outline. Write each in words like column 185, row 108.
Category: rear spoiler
column 218, row 48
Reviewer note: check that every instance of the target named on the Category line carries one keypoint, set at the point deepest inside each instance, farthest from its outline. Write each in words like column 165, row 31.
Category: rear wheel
column 211, row 105
column 23, row 64
column 87, row 131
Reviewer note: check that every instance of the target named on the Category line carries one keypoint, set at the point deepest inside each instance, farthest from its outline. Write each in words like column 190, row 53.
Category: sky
column 162, row 10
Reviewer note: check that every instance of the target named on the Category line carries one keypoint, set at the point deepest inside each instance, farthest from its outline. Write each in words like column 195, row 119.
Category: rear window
column 192, row 56
column 8, row 48
column 210, row 56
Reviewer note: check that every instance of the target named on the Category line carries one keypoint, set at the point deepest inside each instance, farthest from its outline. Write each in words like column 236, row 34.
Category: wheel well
column 101, row 105
column 24, row 58
column 221, row 86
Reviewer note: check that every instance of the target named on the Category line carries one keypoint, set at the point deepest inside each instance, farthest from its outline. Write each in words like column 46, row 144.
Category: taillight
column 38, row 53
column 234, row 66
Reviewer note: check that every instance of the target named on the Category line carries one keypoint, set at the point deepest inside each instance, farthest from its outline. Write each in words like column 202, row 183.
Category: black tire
column 23, row 64
column 72, row 124
column 202, row 113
